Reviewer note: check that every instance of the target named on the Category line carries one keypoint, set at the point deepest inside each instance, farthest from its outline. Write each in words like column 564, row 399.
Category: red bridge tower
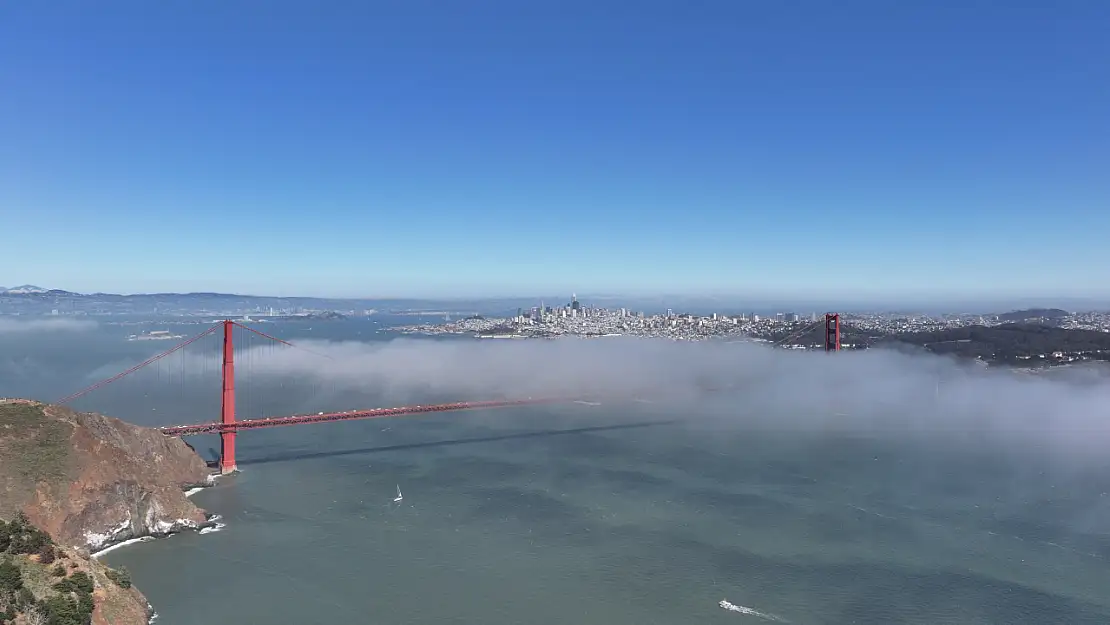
column 227, row 412
column 832, row 332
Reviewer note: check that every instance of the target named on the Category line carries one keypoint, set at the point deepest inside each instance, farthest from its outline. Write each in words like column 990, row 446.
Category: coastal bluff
column 91, row 481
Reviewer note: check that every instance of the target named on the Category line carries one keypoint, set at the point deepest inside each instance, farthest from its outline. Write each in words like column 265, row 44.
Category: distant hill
column 34, row 301
column 1009, row 342
column 1032, row 315
column 26, row 289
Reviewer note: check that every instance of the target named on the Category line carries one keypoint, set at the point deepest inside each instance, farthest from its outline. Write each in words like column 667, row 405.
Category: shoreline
column 211, row 524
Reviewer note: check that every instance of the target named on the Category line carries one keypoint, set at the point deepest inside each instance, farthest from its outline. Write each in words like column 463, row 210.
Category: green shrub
column 86, row 605
column 82, row 581
column 11, row 578
column 46, row 554
column 29, row 540
column 63, row 610
column 120, row 576
column 19, row 522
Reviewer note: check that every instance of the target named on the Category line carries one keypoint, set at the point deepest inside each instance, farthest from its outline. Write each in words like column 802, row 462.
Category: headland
column 81, row 483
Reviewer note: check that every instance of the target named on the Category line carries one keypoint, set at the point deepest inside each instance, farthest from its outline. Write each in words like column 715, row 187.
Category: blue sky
column 894, row 149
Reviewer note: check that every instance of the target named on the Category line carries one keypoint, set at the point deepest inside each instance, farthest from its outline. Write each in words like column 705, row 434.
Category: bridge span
column 350, row 415
column 228, row 426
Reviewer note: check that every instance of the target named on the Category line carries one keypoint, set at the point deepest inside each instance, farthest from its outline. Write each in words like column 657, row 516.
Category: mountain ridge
column 26, row 294
column 25, row 289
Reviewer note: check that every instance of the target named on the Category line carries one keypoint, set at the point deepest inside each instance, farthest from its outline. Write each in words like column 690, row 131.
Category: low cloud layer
column 876, row 390
column 58, row 324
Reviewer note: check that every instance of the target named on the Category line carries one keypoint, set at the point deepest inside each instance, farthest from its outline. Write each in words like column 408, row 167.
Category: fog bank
column 873, row 390
column 44, row 324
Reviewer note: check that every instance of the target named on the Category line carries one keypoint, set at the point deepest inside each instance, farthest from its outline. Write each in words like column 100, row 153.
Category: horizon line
column 755, row 300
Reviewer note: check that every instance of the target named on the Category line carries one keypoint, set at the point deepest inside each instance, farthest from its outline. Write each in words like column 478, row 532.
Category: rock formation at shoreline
column 91, row 481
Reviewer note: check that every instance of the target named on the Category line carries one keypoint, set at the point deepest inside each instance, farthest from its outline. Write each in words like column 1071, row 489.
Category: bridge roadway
column 350, row 415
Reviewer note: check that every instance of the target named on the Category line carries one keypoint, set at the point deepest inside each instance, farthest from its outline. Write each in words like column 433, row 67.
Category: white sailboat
column 399, row 496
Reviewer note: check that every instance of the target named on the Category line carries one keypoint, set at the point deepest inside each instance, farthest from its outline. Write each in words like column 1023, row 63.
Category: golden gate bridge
column 228, row 426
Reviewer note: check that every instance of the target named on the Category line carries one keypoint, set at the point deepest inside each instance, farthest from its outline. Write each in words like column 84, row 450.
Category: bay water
column 606, row 515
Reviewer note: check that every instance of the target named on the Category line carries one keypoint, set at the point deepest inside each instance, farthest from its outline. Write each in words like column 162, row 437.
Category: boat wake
column 732, row 607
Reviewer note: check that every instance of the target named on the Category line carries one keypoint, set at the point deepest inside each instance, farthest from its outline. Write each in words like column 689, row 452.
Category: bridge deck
column 350, row 415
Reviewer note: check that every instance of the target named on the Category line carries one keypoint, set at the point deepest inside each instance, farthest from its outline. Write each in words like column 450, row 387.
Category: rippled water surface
column 614, row 515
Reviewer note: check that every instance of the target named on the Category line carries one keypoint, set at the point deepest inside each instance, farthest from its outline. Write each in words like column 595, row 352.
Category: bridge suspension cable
column 282, row 341
column 832, row 332
column 800, row 333
column 148, row 361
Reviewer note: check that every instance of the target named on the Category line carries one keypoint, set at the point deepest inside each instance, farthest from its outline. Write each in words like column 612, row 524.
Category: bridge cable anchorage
column 148, row 361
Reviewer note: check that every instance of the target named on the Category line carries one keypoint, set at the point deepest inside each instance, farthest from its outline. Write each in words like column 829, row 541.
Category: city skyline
column 858, row 152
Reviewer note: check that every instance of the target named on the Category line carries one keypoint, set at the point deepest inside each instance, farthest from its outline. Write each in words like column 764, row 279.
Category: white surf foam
column 215, row 528
column 122, row 544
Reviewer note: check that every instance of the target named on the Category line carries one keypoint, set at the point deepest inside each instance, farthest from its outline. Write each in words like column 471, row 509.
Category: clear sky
column 434, row 147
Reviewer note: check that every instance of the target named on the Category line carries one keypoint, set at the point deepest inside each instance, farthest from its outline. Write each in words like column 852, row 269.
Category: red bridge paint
column 373, row 413
column 227, row 404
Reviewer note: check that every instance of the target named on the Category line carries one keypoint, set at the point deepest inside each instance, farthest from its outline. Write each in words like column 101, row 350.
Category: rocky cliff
column 91, row 481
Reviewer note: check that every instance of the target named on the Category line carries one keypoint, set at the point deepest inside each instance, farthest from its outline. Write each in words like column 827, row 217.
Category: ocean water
column 612, row 515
